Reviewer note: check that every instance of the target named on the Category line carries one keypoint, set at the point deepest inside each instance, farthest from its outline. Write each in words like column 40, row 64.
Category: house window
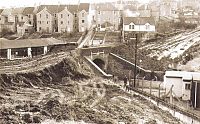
column 82, row 14
column 40, row 28
column 61, row 22
column 40, row 15
column 47, row 22
column 68, row 15
column 129, row 26
column 68, row 22
column 47, row 16
column 55, row 21
column 133, row 26
column 187, row 86
column 75, row 15
column 75, row 21
column 55, row 15
column 22, row 17
column 83, row 21
column 0, row 18
column 61, row 15
column 147, row 26
column 30, row 22
column 99, row 12
column 29, row 16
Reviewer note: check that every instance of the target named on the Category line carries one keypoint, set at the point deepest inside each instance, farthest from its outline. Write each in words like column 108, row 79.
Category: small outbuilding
column 186, row 85
column 18, row 49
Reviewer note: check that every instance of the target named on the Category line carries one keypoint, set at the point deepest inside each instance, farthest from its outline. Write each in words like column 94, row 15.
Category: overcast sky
column 21, row 3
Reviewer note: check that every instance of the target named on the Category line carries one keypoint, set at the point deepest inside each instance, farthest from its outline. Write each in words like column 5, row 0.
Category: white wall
column 65, row 27
column 83, row 26
column 44, row 26
column 140, row 28
column 177, row 82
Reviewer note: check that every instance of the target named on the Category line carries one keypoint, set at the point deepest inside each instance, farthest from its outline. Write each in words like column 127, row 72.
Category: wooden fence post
column 150, row 87
column 159, row 91
column 171, row 97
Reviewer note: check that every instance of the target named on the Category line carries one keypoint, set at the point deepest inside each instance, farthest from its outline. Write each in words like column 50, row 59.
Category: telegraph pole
column 135, row 68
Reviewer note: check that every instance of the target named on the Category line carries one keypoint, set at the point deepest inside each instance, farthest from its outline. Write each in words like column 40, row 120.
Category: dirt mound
column 65, row 70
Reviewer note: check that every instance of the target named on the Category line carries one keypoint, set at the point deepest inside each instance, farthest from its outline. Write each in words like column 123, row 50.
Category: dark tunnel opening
column 100, row 63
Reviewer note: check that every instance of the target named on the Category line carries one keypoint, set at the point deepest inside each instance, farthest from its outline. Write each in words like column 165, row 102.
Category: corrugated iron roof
column 26, row 43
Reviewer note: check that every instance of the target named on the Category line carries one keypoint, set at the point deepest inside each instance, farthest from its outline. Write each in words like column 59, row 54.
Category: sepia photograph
column 99, row 61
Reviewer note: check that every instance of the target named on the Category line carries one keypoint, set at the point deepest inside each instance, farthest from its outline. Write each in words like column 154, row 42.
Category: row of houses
column 45, row 18
column 71, row 18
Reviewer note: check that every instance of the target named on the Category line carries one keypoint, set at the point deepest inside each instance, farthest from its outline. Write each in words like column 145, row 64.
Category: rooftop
column 1, row 10
column 105, row 7
column 139, row 20
column 28, row 10
column 16, row 11
column 183, row 74
column 25, row 43
column 58, row 8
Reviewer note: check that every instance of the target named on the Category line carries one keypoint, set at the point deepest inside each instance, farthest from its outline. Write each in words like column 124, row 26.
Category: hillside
column 66, row 90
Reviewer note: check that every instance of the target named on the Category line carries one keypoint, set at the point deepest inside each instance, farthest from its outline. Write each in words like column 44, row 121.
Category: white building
column 182, row 83
column 143, row 24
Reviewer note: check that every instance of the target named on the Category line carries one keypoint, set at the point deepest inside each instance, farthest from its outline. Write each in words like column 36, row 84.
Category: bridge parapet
column 88, row 51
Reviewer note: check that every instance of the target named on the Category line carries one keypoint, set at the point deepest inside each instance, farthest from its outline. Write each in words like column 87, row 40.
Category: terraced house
column 26, row 21
column 7, row 21
column 47, row 18
column 62, row 18
column 73, row 18
column 107, row 17
column 18, row 20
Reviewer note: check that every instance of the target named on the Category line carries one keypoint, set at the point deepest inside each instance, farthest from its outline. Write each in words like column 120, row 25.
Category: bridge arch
column 100, row 63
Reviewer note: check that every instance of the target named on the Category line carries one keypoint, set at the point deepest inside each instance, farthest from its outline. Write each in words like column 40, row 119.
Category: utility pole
column 135, row 68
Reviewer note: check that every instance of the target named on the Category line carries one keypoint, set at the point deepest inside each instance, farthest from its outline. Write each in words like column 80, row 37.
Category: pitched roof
column 130, row 7
column 139, row 20
column 105, row 7
column 58, row 8
column 1, row 10
column 16, row 11
column 25, row 43
column 84, row 6
column 144, row 7
column 108, row 24
column 6, row 12
column 51, row 8
column 28, row 10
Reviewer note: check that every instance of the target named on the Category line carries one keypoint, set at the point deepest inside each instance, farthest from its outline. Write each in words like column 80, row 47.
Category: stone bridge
column 100, row 57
